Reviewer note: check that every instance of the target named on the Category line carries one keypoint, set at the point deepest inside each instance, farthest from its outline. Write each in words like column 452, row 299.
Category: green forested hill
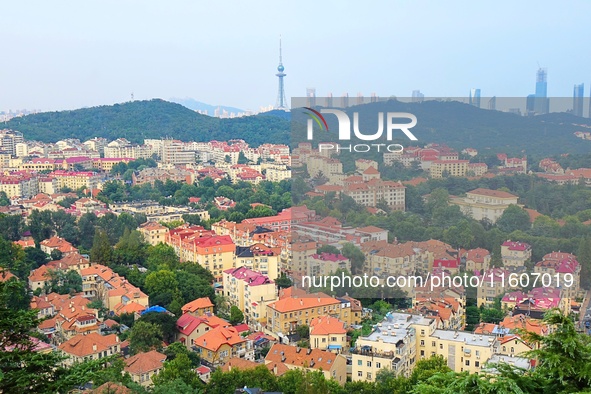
column 455, row 124
column 148, row 119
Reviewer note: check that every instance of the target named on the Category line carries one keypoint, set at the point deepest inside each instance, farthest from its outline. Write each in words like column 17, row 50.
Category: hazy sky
column 70, row 54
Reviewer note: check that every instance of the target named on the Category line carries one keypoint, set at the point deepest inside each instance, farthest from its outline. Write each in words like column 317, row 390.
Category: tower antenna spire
column 281, row 100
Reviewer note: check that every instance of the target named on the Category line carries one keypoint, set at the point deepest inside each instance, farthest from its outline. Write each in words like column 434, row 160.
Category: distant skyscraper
column 541, row 105
column 281, row 100
column 345, row 100
column 374, row 98
column 311, row 97
column 578, row 98
column 475, row 97
column 359, row 98
column 492, row 103
column 417, row 96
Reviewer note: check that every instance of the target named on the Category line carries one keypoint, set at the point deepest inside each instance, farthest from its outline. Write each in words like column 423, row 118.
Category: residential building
column 218, row 345
column 445, row 168
column 328, row 333
column 153, row 232
column 285, row 315
column 324, row 264
column 199, row 307
column 392, row 345
column 332, row 366
column 483, row 204
column 477, row 259
column 515, row 254
column 92, row 346
column 143, row 366
column 191, row 327
column 250, row 291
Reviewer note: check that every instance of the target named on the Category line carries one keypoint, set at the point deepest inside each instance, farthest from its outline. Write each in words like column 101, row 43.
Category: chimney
column 94, row 347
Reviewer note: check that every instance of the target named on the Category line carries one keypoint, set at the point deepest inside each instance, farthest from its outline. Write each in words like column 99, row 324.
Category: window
column 441, row 346
column 378, row 365
column 369, row 363
column 422, row 342
column 433, row 343
column 468, row 363
column 369, row 375
column 360, row 373
column 512, row 349
column 359, row 362
column 477, row 364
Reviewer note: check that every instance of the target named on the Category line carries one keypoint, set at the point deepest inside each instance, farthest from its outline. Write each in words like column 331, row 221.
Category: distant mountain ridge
column 200, row 106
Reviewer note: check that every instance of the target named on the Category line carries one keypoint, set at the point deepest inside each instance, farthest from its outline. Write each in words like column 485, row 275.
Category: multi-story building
column 250, row 291
column 485, row 203
column 331, row 365
column 216, row 253
column 153, row 232
column 328, row 333
column 477, row 259
column 174, row 152
column 285, row 315
column 495, row 282
column 191, row 327
column 259, row 258
column 75, row 180
column 392, row 345
column 218, row 345
column 441, row 168
column 326, row 263
column 565, row 272
column 370, row 193
column 515, row 254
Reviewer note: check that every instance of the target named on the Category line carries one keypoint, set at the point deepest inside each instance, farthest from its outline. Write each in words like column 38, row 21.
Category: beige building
column 515, row 254
column 392, row 345
column 485, row 203
column 332, row 366
column 369, row 193
column 439, row 168
column 153, row 232
column 250, row 291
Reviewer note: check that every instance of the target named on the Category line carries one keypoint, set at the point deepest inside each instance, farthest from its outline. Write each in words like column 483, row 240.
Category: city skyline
column 84, row 55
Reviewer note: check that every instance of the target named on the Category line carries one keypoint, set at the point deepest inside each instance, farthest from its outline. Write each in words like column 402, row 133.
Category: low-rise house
column 332, row 366
column 143, row 366
column 198, row 307
column 192, row 327
column 92, row 346
column 218, row 345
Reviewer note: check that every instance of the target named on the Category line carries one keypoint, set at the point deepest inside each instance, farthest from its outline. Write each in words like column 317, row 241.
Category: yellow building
column 286, row 314
column 250, row 291
column 153, row 232
column 449, row 167
column 485, row 203
column 328, row 333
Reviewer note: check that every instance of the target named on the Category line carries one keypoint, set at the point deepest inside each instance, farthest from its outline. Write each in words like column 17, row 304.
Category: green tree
column 179, row 368
column 328, row 249
column 303, row 331
column 584, row 258
column 144, row 337
column 355, row 255
column 283, row 281
column 236, row 315
column 101, row 251
column 514, row 218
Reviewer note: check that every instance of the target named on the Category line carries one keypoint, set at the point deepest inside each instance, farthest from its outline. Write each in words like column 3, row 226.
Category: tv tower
column 281, row 101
